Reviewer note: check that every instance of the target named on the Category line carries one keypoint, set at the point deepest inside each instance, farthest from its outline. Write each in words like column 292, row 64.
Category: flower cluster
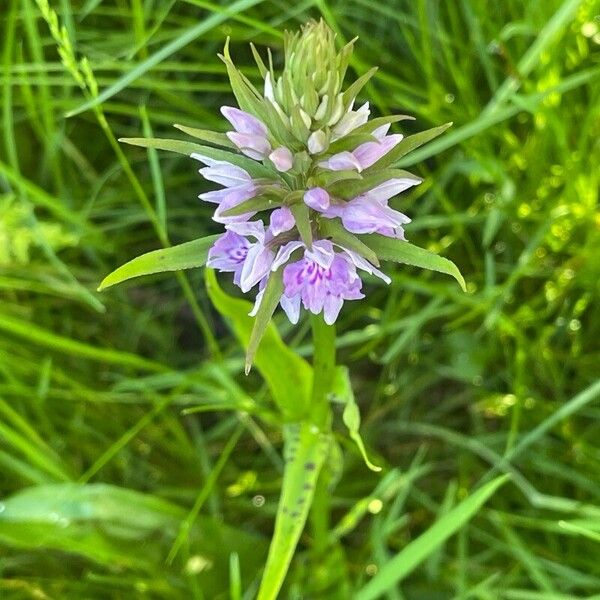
column 304, row 176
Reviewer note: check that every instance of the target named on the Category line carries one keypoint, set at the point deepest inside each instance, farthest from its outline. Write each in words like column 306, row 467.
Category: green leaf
column 332, row 228
column 373, row 124
column 108, row 525
column 184, row 256
column 408, row 144
column 396, row 569
column 299, row 127
column 247, row 96
column 252, row 205
column 325, row 178
column 350, row 142
column 269, row 302
column 206, row 135
column 302, row 217
column 342, row 390
column 288, row 376
column 402, row 252
column 350, row 189
column 305, row 450
column 250, row 100
column 353, row 91
column 255, row 169
column 259, row 61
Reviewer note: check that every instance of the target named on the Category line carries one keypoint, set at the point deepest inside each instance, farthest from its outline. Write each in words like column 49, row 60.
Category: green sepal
column 400, row 251
column 176, row 258
column 310, row 98
column 301, row 131
column 350, row 189
column 277, row 127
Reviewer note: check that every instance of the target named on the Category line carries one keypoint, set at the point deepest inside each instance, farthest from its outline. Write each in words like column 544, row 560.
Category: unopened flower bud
column 282, row 158
column 317, row 142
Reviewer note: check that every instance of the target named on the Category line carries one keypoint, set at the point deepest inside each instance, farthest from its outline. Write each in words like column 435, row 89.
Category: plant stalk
column 306, row 446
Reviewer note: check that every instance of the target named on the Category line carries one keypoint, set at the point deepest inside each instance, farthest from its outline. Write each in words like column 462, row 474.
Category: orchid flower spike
column 307, row 181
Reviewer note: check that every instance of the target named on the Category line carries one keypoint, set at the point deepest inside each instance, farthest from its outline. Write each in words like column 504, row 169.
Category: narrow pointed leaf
column 301, row 215
column 253, row 168
column 211, row 137
column 373, row 124
column 350, row 142
column 351, row 416
column 350, row 189
column 396, row 569
column 332, row 228
column 259, row 61
column 288, row 376
column 402, row 252
column 184, row 256
column 250, row 100
column 353, row 91
column 269, row 302
column 252, row 205
column 408, row 144
column 326, row 178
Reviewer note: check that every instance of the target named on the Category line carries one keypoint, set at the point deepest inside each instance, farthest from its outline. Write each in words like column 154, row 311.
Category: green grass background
column 101, row 470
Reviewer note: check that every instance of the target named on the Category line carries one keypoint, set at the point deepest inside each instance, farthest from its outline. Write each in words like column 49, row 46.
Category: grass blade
column 177, row 44
column 418, row 550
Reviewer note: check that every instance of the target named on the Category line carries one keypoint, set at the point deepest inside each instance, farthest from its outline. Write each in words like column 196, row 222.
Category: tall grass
column 130, row 465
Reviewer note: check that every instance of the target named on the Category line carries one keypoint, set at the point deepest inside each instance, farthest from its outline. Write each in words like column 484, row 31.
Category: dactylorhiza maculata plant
column 306, row 180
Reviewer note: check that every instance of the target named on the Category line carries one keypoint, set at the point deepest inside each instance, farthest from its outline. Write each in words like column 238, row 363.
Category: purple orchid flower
column 250, row 135
column 260, row 255
column 228, row 254
column 239, row 187
column 282, row 220
column 320, row 281
column 300, row 117
column 370, row 213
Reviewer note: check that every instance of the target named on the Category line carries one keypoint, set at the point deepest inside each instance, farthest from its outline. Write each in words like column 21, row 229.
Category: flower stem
column 323, row 372
column 306, row 446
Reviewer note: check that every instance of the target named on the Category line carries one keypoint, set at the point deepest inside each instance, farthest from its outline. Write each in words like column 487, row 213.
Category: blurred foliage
column 101, row 471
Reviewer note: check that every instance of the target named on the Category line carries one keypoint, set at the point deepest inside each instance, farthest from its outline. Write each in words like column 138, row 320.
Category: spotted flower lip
column 228, row 254
column 282, row 183
column 319, row 289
